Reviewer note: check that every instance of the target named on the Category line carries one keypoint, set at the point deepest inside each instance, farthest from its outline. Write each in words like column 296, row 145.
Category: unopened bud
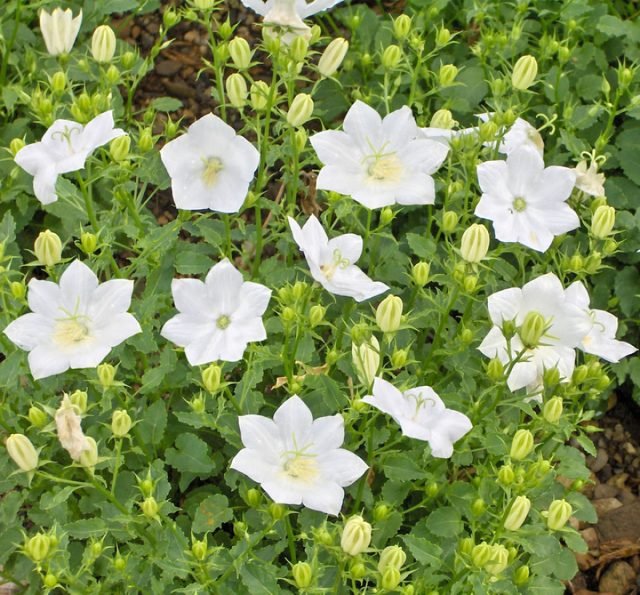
column 475, row 243
column 392, row 556
column 103, row 44
column 119, row 147
column 402, row 26
column 524, row 73
column 442, row 119
column 420, row 273
column 470, row 283
column 302, row 571
column 333, row 56
column 391, row 57
column 521, row 445
column 120, row 423
column 386, row 216
column 199, row 549
column 253, row 497
column 481, row 554
column 48, row 248
column 506, row 476
column 391, row 578
column 88, row 242
column 211, row 376
column 18, row 289
column 517, row 513
column 16, row 145
column 399, row 358
column 358, row 570
column 366, row 360
column 316, row 315
column 551, row 376
column 443, row 36
column 37, row 547
column 478, row 507
column 22, row 452
column 106, row 375
column 580, row 374
column 532, row 329
column 521, row 576
column 37, row 417
column 89, row 456
column 498, row 560
column 145, row 140
column 552, row 410
column 58, row 82
column 170, row 18
column 298, row 49
column 240, row 53
column 356, row 536
column 558, row 514
column 277, row 511
column 603, row 221
column 300, row 110
column 237, row 90
column 389, row 314
column 150, row 507
column 78, row 399
column 449, row 221
column 259, row 95
column 495, row 370
column 447, row 75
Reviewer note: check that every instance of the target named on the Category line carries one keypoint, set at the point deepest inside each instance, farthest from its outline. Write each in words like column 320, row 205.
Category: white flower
column 443, row 135
column 601, row 338
column 525, row 200
column 421, row 414
column 588, row 179
column 74, row 324
column 69, row 430
column 59, row 30
column 296, row 459
column 379, row 162
column 331, row 262
column 219, row 317
column 210, row 166
column 520, row 134
column 285, row 16
column 64, row 148
column 565, row 327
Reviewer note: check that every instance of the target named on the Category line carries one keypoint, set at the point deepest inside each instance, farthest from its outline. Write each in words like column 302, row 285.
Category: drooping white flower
column 588, row 179
column 219, row 317
column 210, row 166
column 526, row 201
column 70, row 432
column 519, row 134
column 379, row 161
column 73, row 324
column 332, row 262
column 64, row 148
column 601, row 338
column 296, row 459
column 565, row 326
column 421, row 414
column 285, row 17
column 59, row 30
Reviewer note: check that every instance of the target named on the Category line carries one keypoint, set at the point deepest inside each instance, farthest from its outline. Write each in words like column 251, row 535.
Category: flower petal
column 29, row 330
column 77, row 284
column 341, row 466
column 294, row 421
column 326, row 498
column 191, row 297
column 224, row 283
column 254, row 465
column 45, row 360
column 327, row 433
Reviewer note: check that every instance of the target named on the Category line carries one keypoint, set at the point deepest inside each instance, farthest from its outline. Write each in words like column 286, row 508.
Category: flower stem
column 290, row 539
column 117, row 464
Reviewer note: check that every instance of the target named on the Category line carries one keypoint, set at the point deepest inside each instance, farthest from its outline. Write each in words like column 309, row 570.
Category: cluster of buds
column 392, row 558
column 494, row 559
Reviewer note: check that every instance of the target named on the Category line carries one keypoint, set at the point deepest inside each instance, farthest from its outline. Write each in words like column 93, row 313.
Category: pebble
column 604, row 490
column 168, row 67
column 604, row 505
column 618, row 579
column 601, row 459
column 590, row 535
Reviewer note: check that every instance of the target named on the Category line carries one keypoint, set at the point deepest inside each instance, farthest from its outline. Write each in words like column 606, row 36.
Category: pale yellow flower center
column 385, row 168
column 301, row 467
column 223, row 322
column 212, row 167
column 519, row 204
column 329, row 269
column 70, row 331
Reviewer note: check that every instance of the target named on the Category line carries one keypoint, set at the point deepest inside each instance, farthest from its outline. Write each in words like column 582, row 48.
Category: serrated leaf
column 166, row 104
column 445, row 522
column 424, row 551
column 85, row 528
column 401, row 467
column 421, row 246
column 52, row 499
column 191, row 455
column 211, row 513
column 154, row 422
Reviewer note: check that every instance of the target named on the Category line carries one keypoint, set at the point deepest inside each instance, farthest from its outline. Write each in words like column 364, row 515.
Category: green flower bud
column 240, row 529
column 466, row 546
column 119, row 563
column 88, row 241
column 420, row 273
column 288, row 315
column 277, row 511
column 358, row 570
column 552, row 410
column 95, row 548
column 506, row 476
column 495, row 370
column 532, row 329
column 466, row 335
column 58, row 82
column 145, row 140
column 475, row 243
column 84, row 102
column 170, row 18
column 366, row 360
column 488, row 131
column 564, row 53
column 399, row 358
column 517, row 513
column 381, row 512
column 237, row 90
column 225, row 29
column 240, row 53
column 442, row 119
column 389, row 314
column 259, row 95
column 316, row 315
column 498, row 560
column 521, row 576
column 302, row 571
column 112, row 74
column 432, row 489
column 521, row 445
column 322, row 536
column 449, row 221
column 481, row 554
column 146, row 486
column 332, row 57
column 300, row 139
column 298, row 290
column 470, row 283
column 443, row 36
column 551, row 376
column 37, row 417
column 79, row 399
column 603, row 221
column 120, row 423
column 50, row 580
column 558, row 514
column 106, row 375
column 89, row 456
column 392, row 556
column 478, row 507
column 16, row 145
column 22, row 452
column 447, row 75
column 300, row 110
column 386, row 216
column 408, row 590
column 391, row 57
column 211, row 377
column 625, row 76
column 356, row 536
column 119, row 148
column 199, row 549
column 37, row 548
column 150, row 507
column 203, row 4
column 18, row 290
column 402, row 26
column 603, row 382
column 524, row 73
column 390, row 579
column 593, row 262
column 253, row 497
column 48, row 248
column 298, row 49
column 103, row 44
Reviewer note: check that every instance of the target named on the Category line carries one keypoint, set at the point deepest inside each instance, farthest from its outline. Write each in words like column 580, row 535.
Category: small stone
column 618, row 480
column 605, row 490
column 629, row 448
column 168, row 67
column 604, row 505
column 626, row 496
column 618, row 578
column 591, row 538
column 601, row 459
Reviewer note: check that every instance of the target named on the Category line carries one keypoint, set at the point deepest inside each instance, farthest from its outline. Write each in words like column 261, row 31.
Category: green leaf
column 212, row 512
column 260, row 578
column 154, row 422
column 166, row 104
column 445, row 522
column 193, row 260
column 401, row 467
column 424, row 551
column 543, row 585
column 190, row 456
column 85, row 528
column 572, row 463
column 52, row 499
column 421, row 246
column 583, row 510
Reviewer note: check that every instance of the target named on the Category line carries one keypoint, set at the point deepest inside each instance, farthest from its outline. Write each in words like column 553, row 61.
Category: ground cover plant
column 364, row 355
